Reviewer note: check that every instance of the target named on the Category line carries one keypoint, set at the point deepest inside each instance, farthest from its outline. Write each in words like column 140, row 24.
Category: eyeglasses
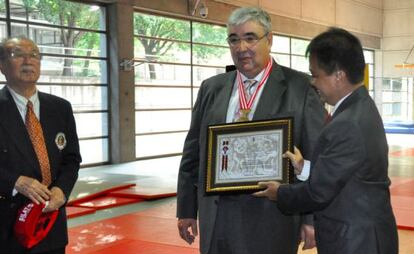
column 20, row 55
column 250, row 40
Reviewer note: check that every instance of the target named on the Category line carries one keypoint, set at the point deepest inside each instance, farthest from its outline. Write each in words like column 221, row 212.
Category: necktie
column 249, row 87
column 38, row 141
column 328, row 118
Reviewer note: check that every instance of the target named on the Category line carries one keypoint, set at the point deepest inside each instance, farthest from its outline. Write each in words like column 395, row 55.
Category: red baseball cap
column 32, row 225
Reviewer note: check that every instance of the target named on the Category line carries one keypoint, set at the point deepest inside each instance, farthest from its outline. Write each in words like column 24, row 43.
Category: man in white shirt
column 241, row 223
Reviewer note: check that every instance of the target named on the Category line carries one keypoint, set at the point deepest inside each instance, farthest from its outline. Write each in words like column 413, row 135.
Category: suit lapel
column 222, row 99
column 13, row 124
column 354, row 96
column 271, row 98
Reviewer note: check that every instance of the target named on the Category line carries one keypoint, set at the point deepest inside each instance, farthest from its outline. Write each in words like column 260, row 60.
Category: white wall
column 361, row 16
column 398, row 37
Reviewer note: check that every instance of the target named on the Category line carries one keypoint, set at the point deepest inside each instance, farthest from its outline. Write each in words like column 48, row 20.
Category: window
column 172, row 58
column 74, row 64
column 396, row 103
column 290, row 52
column 369, row 59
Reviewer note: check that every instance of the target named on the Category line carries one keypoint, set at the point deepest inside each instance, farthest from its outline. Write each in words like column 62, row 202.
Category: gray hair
column 244, row 14
column 5, row 41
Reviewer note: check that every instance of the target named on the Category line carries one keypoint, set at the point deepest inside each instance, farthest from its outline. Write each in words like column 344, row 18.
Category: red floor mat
column 104, row 202
column 397, row 180
column 402, row 200
column 403, row 208
column 142, row 247
column 405, row 152
column 72, row 212
column 403, row 189
column 148, row 193
column 152, row 230
column 100, row 194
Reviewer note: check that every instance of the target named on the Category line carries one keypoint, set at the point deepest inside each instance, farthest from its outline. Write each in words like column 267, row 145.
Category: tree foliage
column 68, row 14
column 163, row 38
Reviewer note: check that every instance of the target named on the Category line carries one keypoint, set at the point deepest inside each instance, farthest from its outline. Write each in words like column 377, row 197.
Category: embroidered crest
column 60, row 141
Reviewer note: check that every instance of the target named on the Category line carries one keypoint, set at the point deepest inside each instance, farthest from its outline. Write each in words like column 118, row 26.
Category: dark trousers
column 57, row 251
column 248, row 225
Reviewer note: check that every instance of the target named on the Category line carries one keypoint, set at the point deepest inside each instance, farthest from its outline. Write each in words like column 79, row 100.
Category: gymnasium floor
column 149, row 226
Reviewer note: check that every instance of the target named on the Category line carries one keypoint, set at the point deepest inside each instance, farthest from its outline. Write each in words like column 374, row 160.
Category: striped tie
column 249, row 87
column 38, row 141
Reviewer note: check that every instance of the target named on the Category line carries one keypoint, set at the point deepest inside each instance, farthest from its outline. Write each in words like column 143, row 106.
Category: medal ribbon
column 244, row 104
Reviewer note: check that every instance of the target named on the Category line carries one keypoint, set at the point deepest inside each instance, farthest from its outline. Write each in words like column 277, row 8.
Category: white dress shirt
column 234, row 103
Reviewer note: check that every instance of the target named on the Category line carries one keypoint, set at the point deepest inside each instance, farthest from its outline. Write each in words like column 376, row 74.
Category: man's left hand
column 270, row 190
column 57, row 199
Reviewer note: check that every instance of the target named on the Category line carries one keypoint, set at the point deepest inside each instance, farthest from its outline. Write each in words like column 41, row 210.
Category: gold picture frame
column 242, row 154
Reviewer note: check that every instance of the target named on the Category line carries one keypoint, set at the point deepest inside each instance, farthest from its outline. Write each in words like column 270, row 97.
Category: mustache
column 27, row 68
column 244, row 55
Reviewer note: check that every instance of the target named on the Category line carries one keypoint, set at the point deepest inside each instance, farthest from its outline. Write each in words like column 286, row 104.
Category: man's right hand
column 183, row 226
column 32, row 189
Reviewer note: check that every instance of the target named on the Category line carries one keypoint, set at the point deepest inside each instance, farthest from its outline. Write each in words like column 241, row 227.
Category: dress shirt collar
column 21, row 102
column 339, row 103
column 258, row 77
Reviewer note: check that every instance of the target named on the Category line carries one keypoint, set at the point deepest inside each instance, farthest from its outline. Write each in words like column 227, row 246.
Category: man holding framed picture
column 259, row 89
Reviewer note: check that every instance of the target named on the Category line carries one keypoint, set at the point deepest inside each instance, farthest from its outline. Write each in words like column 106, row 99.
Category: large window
column 397, row 94
column 290, row 52
column 72, row 40
column 172, row 57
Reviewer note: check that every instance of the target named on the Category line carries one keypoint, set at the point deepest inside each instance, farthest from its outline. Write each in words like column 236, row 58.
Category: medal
column 245, row 106
column 244, row 115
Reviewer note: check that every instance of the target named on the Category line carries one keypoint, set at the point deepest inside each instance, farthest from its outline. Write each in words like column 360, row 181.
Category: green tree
column 159, row 36
column 68, row 14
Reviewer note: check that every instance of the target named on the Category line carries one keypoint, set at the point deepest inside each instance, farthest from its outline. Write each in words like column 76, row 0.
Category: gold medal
column 244, row 113
column 246, row 102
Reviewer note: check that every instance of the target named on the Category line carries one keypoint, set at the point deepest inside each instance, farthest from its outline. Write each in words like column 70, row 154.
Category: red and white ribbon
column 244, row 104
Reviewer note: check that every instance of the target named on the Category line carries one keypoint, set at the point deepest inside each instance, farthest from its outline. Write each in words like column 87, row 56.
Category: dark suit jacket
column 286, row 93
column 348, row 185
column 17, row 157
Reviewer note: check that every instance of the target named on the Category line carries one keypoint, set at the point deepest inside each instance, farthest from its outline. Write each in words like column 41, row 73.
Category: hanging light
column 406, row 64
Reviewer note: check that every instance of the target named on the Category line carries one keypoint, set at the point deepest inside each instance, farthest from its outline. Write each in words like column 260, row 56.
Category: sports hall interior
column 132, row 70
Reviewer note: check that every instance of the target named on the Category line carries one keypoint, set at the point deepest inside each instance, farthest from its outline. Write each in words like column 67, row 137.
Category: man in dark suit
column 348, row 188
column 22, row 178
column 242, row 223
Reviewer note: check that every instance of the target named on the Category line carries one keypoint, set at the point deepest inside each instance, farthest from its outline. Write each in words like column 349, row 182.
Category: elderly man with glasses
column 39, row 153
column 259, row 89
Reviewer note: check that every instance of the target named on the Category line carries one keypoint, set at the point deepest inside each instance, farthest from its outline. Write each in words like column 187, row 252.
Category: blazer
column 17, row 157
column 348, row 186
column 286, row 93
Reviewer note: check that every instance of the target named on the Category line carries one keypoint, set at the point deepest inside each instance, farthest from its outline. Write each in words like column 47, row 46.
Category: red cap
column 32, row 225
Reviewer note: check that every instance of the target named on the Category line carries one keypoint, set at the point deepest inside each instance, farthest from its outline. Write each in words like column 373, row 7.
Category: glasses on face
column 250, row 40
column 21, row 55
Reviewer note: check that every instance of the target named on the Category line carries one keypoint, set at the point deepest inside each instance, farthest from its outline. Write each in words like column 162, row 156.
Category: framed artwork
column 242, row 154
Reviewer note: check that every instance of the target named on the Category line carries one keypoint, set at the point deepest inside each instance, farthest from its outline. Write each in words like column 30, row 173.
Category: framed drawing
column 242, row 154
